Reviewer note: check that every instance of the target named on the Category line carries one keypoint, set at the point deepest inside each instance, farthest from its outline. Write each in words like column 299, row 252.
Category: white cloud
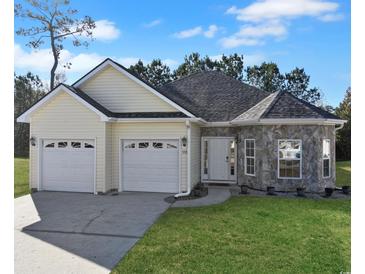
column 105, row 30
column 282, row 9
column 275, row 29
column 331, row 17
column 212, row 30
column 248, row 60
column 234, row 42
column 189, row 32
column 153, row 23
column 270, row 18
column 128, row 61
column 41, row 61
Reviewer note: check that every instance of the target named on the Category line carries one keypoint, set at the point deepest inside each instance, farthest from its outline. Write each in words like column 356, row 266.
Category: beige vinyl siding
column 108, row 156
column 65, row 117
column 118, row 93
column 147, row 131
column 195, row 154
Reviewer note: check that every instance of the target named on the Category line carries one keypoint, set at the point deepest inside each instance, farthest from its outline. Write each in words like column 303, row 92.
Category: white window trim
column 329, row 158
column 301, row 157
column 247, row 157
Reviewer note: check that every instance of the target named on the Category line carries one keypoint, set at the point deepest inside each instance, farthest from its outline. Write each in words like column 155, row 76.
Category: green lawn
column 247, row 235
column 343, row 173
column 21, row 177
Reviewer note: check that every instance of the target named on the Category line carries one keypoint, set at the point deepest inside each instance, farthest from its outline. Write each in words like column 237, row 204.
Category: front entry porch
column 219, row 160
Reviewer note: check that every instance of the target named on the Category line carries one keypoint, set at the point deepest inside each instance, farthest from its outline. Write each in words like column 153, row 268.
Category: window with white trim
column 250, row 166
column 290, row 159
column 326, row 158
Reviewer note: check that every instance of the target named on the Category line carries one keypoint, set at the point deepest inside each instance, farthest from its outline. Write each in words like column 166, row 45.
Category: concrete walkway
column 216, row 195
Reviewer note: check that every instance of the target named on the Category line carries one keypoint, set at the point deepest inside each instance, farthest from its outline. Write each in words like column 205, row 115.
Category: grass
column 21, row 178
column 343, row 173
column 247, row 235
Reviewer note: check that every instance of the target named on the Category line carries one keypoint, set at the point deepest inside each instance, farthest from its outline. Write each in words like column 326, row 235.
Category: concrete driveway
column 57, row 232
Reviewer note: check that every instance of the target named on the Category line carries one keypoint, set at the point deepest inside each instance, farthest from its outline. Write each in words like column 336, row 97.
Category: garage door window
column 88, row 145
column 170, row 146
column 132, row 145
column 143, row 145
column 76, row 144
column 49, row 145
column 62, row 144
column 157, row 145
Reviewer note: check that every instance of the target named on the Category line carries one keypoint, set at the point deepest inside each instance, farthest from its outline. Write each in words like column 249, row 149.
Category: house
column 112, row 131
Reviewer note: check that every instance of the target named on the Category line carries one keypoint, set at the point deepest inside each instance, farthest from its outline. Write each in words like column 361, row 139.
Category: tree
column 28, row 89
column 54, row 22
column 343, row 143
column 155, row 73
column 297, row 83
column 231, row 65
column 268, row 77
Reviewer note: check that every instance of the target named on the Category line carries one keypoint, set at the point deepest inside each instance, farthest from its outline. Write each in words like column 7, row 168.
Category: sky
column 310, row 34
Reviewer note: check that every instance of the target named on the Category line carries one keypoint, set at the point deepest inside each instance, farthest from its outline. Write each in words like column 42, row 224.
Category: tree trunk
column 55, row 60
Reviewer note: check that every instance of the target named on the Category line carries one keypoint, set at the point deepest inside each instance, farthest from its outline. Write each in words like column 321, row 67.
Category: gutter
column 187, row 193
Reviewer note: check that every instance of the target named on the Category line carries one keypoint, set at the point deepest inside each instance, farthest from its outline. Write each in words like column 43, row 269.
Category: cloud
column 209, row 33
column 252, row 35
column 153, row 23
column 282, row 9
column 271, row 18
column 81, row 63
column 234, row 42
column 212, row 30
column 189, row 33
column 331, row 17
column 40, row 60
column 106, row 30
column 128, row 61
column 248, row 59
column 275, row 29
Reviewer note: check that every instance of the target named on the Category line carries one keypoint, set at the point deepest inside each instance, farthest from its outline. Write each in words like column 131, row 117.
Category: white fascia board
column 135, row 79
column 218, row 124
column 290, row 122
column 25, row 117
column 156, row 120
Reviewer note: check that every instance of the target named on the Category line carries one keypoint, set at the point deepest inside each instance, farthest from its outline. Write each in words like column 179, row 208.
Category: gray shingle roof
column 216, row 97
column 212, row 95
column 287, row 105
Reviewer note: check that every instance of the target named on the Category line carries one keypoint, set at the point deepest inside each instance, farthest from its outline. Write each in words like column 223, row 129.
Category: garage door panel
column 150, row 165
column 70, row 168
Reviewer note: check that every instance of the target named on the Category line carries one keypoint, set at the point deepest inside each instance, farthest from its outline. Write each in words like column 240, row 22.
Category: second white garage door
column 150, row 165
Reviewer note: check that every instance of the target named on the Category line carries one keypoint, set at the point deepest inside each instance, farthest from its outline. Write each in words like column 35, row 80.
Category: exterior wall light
column 32, row 141
column 184, row 141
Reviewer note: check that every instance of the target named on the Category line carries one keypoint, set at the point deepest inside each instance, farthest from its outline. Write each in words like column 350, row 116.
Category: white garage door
column 68, row 165
column 150, row 165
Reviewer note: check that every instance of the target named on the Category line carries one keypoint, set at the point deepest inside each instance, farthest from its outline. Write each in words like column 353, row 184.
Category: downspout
column 187, row 193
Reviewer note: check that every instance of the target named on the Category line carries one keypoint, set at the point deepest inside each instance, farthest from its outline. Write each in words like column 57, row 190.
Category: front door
column 219, row 159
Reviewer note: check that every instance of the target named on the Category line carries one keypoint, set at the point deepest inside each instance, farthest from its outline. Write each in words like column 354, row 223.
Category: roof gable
column 74, row 93
column 119, row 90
column 287, row 105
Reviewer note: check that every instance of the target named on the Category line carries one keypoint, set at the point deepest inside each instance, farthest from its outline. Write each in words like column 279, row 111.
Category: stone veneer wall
column 267, row 154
